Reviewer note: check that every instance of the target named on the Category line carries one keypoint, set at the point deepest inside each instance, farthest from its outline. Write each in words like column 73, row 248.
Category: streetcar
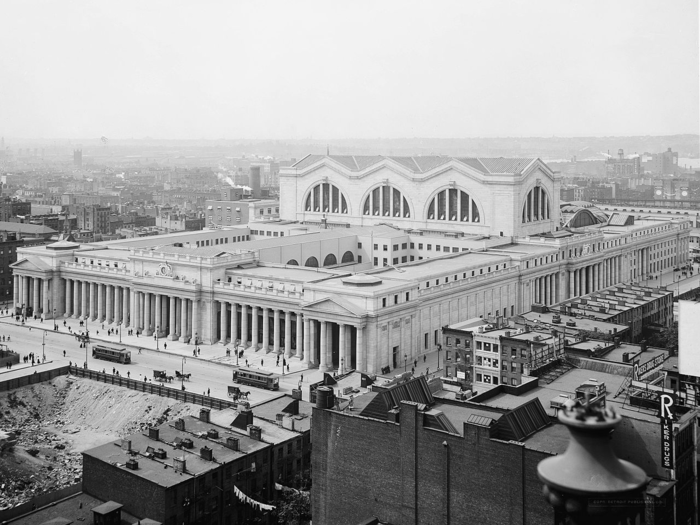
column 257, row 378
column 120, row 355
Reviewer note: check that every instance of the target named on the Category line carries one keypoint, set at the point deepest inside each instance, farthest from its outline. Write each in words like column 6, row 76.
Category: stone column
column 196, row 336
column 184, row 306
column 69, row 298
column 178, row 318
column 307, row 340
column 244, row 325
column 135, row 310
column 223, row 320
column 300, row 335
column 266, row 329
column 36, row 304
column 25, row 291
column 288, row 334
column 127, row 312
column 45, row 303
column 158, row 327
column 255, row 329
column 313, row 351
column 84, row 311
column 15, row 290
column 172, row 326
column 234, row 322
column 76, row 298
column 147, row 331
column 117, row 304
column 109, row 303
column 100, row 302
column 276, row 335
column 360, row 351
column 323, row 357
column 92, row 309
column 341, row 348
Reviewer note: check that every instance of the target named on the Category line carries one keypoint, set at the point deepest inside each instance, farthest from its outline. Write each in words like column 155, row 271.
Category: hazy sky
column 348, row 69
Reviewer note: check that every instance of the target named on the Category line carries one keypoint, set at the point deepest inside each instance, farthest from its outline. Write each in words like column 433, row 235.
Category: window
column 478, row 345
column 513, row 353
column 430, row 247
column 514, row 382
column 396, row 299
column 448, row 341
column 395, row 247
column 385, row 248
column 404, row 259
column 407, row 295
column 436, row 336
column 425, row 343
column 448, row 355
column 420, row 245
column 504, row 366
column 523, row 354
column 359, row 245
column 395, row 261
column 495, row 347
column 514, row 367
column 413, row 246
column 479, row 378
column 437, row 247
column 376, row 246
column 376, row 261
column 404, row 246
column 384, row 302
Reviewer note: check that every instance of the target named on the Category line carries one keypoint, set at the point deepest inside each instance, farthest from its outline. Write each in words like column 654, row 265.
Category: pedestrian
column 287, row 368
column 97, row 332
column 415, row 362
column 64, row 353
column 302, row 378
column 413, row 370
column 424, row 357
column 139, row 350
column 246, row 363
column 199, row 351
column 194, row 353
column 165, row 346
column 103, row 326
column 128, row 374
column 155, row 337
column 261, row 362
column 64, row 323
column 113, row 370
column 208, row 391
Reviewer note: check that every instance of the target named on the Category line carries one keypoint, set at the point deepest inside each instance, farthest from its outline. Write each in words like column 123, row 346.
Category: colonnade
column 594, row 277
column 33, row 292
column 327, row 344
column 546, row 289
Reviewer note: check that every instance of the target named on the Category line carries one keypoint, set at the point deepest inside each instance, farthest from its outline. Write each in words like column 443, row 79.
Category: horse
column 169, row 379
column 244, row 395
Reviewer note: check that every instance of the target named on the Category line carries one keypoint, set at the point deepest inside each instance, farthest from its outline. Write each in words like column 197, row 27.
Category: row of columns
column 546, row 289
column 33, row 292
column 594, row 277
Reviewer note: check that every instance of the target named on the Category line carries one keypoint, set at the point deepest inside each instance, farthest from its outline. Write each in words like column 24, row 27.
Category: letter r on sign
column 666, row 406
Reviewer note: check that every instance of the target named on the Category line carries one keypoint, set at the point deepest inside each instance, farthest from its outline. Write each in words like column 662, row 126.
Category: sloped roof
column 423, row 164
column 522, row 422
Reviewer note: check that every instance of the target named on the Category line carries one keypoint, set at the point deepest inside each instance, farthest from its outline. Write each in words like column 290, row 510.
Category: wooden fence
column 153, row 388
column 32, row 378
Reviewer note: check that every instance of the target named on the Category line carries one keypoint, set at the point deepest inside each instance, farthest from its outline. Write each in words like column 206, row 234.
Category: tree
column 667, row 338
column 294, row 507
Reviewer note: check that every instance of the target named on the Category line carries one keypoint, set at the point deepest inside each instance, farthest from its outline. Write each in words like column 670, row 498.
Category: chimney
column 212, row 433
column 179, row 464
column 243, row 419
column 206, row 453
column 160, row 454
column 179, row 424
column 132, row 464
column 393, row 415
column 255, row 181
column 204, row 415
column 324, row 397
column 126, row 445
column 643, row 345
column 254, row 432
column 153, row 433
column 232, row 443
column 279, row 418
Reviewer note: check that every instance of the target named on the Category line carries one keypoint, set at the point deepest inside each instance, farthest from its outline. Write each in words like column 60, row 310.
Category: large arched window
column 292, row 262
column 455, row 205
column 386, row 201
column 348, row 257
column 330, row 260
column 311, row 262
column 326, row 198
column 536, row 206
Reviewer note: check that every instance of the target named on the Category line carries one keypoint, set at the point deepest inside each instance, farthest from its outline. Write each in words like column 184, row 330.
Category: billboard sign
column 688, row 337
column 666, row 415
column 640, row 370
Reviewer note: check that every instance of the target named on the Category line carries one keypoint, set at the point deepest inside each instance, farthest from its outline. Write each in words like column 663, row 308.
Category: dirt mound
column 56, row 420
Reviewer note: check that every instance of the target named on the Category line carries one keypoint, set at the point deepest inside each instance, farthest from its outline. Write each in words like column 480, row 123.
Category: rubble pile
column 55, row 421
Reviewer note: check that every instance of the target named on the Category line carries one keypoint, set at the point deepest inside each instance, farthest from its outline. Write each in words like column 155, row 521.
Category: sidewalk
column 215, row 353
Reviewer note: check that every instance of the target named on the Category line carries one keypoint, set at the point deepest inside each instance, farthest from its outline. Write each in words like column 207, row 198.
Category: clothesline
column 282, row 487
column 250, row 501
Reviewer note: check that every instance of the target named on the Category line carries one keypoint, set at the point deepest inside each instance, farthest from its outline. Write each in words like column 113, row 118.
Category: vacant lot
column 55, row 421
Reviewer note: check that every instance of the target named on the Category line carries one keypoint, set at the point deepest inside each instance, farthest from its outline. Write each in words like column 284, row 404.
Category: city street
column 211, row 370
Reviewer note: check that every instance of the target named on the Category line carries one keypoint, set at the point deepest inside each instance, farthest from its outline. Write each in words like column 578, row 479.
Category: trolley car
column 256, row 378
column 120, row 355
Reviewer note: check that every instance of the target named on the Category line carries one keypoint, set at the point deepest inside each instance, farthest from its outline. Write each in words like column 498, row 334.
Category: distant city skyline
column 319, row 70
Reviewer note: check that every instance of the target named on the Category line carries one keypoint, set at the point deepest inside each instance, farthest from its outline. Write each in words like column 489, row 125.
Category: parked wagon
column 257, row 378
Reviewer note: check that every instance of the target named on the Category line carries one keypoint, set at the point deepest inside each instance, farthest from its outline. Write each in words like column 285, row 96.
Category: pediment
column 30, row 265
column 332, row 306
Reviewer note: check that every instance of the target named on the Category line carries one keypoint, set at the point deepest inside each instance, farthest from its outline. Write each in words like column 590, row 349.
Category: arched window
column 292, row 262
column 536, row 206
column 453, row 205
column 330, row 260
column 386, row 201
column 326, row 198
column 348, row 257
column 311, row 262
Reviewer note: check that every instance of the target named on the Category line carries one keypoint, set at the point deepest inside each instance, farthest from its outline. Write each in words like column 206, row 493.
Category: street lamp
column 589, row 483
column 182, row 372
column 43, row 347
column 120, row 332
column 157, row 328
column 405, row 362
column 439, row 348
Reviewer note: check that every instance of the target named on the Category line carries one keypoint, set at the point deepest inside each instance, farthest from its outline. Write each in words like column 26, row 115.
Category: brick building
column 207, row 470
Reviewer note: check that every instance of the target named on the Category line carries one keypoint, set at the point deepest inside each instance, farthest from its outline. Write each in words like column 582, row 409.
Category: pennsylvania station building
column 370, row 258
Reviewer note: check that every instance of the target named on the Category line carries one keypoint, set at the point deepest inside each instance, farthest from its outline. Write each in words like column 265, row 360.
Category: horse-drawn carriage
column 178, row 375
column 162, row 375
column 236, row 393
